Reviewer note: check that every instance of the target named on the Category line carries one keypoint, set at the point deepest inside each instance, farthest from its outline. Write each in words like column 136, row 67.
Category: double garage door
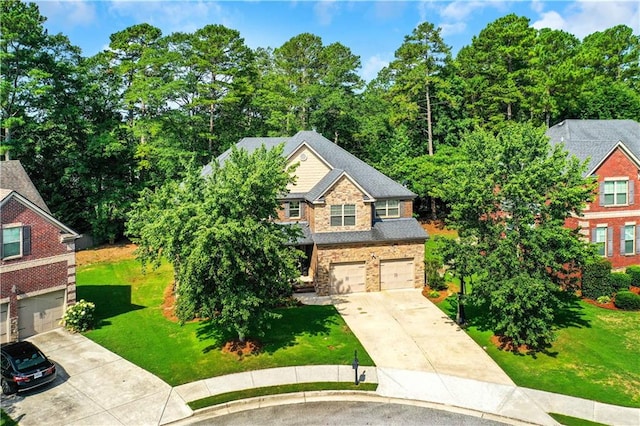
column 350, row 277
column 40, row 313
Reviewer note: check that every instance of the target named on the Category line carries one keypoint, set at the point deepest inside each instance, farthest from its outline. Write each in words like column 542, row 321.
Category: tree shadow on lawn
column 110, row 301
column 311, row 320
column 569, row 314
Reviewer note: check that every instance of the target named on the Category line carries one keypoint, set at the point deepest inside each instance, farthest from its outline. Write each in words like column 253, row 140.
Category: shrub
column 79, row 317
column 595, row 279
column 604, row 299
column 434, row 294
column 627, row 300
column 634, row 273
column 434, row 279
column 620, row 281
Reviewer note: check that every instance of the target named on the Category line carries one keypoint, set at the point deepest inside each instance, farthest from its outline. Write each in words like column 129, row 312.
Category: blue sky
column 372, row 30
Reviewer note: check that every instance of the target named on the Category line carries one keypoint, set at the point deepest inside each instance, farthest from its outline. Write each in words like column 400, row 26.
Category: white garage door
column 396, row 273
column 4, row 323
column 40, row 313
column 347, row 277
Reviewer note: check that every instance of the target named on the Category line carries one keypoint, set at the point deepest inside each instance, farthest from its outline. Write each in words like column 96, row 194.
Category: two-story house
column 359, row 232
column 612, row 149
column 37, row 259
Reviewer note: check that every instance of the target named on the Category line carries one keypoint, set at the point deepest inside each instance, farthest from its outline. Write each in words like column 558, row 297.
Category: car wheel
column 8, row 388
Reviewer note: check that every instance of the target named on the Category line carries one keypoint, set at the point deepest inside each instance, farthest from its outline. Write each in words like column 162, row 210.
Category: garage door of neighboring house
column 40, row 313
column 396, row 273
column 4, row 322
column 347, row 277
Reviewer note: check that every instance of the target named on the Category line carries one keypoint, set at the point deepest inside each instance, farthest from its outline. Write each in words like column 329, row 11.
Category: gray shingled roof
column 14, row 177
column 375, row 183
column 594, row 139
column 407, row 229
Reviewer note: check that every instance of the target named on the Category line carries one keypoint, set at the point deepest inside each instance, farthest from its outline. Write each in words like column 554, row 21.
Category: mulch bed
column 443, row 294
column 610, row 305
column 241, row 349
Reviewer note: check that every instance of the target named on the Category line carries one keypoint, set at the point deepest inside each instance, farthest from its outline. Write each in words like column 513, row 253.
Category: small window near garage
column 16, row 241
column 388, row 209
column 294, row 209
column 343, row 215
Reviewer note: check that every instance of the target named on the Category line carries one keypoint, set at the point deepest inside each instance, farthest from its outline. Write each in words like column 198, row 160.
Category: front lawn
column 595, row 355
column 132, row 324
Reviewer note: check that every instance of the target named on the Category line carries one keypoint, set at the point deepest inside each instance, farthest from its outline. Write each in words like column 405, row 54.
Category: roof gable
column 595, row 140
column 373, row 182
column 14, row 177
column 332, row 178
column 13, row 195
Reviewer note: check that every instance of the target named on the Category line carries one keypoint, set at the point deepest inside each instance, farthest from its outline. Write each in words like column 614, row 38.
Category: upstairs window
column 343, row 215
column 388, row 208
column 16, row 241
column 615, row 193
column 293, row 209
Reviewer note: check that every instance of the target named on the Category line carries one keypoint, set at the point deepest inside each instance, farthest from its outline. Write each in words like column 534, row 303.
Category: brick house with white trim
column 358, row 230
column 37, row 259
column 612, row 149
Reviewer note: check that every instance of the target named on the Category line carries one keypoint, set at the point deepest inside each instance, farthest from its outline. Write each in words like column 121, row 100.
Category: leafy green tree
column 509, row 198
column 232, row 263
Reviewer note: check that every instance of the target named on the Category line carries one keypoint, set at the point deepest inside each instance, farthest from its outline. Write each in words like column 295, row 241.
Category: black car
column 24, row 367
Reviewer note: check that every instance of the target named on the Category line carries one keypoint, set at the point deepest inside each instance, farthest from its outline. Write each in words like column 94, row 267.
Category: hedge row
column 598, row 280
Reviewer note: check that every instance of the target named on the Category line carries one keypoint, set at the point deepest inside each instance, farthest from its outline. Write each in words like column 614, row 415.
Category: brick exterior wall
column 343, row 192
column 50, row 265
column 371, row 254
column 615, row 217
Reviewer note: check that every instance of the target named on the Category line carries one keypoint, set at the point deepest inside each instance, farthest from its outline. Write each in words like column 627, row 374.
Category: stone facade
column 371, row 254
column 50, row 265
column 343, row 192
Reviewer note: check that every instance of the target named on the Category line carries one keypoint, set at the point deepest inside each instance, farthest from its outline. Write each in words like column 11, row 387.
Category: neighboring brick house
column 612, row 148
column 37, row 259
column 359, row 232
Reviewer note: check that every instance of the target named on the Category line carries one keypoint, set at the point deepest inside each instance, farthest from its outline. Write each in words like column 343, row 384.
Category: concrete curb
column 325, row 396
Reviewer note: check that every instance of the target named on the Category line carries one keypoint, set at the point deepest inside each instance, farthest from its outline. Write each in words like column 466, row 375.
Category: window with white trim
column 600, row 239
column 343, row 215
column 16, row 241
column 294, row 209
column 616, row 192
column 388, row 208
column 629, row 239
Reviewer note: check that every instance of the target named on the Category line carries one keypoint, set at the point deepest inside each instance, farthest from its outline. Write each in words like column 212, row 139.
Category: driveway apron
column 403, row 330
column 94, row 387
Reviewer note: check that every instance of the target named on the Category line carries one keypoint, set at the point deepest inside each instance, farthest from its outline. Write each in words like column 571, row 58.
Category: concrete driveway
column 403, row 330
column 94, row 387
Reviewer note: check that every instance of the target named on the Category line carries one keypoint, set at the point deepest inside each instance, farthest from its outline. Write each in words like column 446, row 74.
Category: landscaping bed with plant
column 129, row 309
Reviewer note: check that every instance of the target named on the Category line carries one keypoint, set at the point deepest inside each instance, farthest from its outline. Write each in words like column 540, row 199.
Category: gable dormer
column 311, row 168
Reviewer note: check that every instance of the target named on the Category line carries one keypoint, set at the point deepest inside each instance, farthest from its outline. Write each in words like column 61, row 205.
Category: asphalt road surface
column 344, row 413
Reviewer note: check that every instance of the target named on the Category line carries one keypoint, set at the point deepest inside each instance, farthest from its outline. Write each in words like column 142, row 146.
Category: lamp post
column 355, row 365
column 460, row 316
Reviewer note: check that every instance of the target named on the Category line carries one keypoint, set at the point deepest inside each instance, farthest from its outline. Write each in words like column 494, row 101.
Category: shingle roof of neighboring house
column 596, row 139
column 407, row 229
column 372, row 181
column 14, row 177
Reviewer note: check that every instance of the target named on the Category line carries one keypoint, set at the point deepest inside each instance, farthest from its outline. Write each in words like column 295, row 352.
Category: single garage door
column 396, row 273
column 40, row 313
column 4, row 323
column 347, row 277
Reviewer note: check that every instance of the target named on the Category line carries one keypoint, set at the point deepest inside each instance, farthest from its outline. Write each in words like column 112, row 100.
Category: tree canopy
column 233, row 265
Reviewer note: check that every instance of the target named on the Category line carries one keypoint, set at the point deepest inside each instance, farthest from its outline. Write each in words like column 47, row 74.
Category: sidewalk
column 507, row 403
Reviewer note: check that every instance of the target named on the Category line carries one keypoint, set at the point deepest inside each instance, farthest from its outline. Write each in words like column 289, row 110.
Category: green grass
column 595, row 355
column 131, row 324
column 573, row 421
column 276, row 390
column 6, row 420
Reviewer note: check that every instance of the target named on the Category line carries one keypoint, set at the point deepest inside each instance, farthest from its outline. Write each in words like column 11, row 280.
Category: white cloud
column 583, row 17
column 68, row 14
column 537, row 6
column 372, row 67
column 451, row 29
column 324, row 11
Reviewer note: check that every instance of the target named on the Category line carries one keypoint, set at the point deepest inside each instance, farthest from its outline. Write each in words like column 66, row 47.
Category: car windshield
column 27, row 361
